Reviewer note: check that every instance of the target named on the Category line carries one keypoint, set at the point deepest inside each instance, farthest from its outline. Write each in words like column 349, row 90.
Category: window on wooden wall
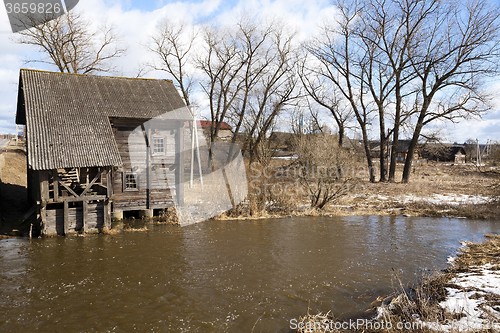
column 130, row 182
column 158, row 145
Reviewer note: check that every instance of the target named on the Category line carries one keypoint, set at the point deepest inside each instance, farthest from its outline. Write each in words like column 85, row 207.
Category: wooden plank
column 87, row 198
column 66, row 217
column 85, row 216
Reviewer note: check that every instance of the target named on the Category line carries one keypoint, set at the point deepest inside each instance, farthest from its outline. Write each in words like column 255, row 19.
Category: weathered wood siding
column 151, row 170
column 55, row 219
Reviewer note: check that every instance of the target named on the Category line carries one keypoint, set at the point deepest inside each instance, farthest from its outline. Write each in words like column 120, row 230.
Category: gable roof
column 67, row 115
column 403, row 146
column 207, row 124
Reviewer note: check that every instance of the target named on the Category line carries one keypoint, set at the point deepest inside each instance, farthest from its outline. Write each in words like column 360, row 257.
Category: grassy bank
column 435, row 189
column 463, row 298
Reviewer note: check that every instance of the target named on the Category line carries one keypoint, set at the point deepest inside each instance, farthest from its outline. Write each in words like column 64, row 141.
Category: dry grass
column 365, row 198
column 106, row 231
column 478, row 254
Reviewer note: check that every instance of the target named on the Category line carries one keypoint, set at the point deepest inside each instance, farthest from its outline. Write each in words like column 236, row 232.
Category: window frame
column 154, row 146
column 125, row 183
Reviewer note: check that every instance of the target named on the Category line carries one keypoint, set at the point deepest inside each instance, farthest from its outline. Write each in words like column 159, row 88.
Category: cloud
column 136, row 21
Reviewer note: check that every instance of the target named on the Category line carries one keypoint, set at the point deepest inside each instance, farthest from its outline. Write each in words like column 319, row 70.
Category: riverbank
column 13, row 191
column 463, row 298
column 435, row 190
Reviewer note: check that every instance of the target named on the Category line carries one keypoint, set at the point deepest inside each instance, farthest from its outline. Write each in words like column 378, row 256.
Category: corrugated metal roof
column 67, row 115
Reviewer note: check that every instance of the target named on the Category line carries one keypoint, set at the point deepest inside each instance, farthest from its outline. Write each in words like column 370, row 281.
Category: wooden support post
column 107, row 214
column 56, row 186
column 66, row 218
column 44, row 185
column 109, row 182
column 85, row 214
column 43, row 215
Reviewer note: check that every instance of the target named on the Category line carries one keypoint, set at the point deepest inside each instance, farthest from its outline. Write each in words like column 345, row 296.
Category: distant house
column 83, row 140
column 281, row 144
column 444, row 152
column 402, row 151
column 225, row 131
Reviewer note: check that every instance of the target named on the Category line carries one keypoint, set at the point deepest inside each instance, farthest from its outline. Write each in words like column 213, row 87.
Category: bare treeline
column 387, row 68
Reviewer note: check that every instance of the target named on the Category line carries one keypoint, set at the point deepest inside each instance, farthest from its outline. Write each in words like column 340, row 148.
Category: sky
column 136, row 21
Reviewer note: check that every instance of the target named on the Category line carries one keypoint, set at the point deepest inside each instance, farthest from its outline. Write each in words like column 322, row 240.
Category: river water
column 220, row 276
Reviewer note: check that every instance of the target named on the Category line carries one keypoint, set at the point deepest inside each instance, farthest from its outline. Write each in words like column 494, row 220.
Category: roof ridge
column 103, row 76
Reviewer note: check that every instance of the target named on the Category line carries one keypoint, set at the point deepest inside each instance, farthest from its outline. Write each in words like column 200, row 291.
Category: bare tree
column 250, row 77
column 417, row 61
column 342, row 62
column 470, row 147
column 173, row 47
column 326, row 94
column 452, row 55
column 70, row 43
column 323, row 168
column 276, row 89
column 221, row 63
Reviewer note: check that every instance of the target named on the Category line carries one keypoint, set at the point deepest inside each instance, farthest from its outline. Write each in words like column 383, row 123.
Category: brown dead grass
column 427, row 180
column 13, row 192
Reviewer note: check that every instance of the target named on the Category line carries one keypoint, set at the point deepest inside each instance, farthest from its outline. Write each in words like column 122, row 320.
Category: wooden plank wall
column 55, row 219
column 133, row 151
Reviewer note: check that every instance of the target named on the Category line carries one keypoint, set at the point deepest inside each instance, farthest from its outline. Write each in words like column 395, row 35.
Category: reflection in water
column 219, row 276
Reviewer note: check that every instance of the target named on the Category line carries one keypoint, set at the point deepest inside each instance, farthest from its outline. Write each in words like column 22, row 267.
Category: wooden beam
column 26, row 215
column 66, row 218
column 85, row 216
column 66, row 186
column 87, row 198
column 44, row 185
column 91, row 183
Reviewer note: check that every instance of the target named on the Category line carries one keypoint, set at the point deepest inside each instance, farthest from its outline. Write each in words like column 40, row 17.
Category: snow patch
column 447, row 198
column 471, row 298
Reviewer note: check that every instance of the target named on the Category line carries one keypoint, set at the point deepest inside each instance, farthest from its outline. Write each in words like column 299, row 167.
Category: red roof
column 206, row 124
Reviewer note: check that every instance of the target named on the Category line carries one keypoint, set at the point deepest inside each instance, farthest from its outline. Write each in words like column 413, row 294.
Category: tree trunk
column 341, row 134
column 368, row 153
column 383, row 169
column 411, row 151
column 394, row 148
column 397, row 122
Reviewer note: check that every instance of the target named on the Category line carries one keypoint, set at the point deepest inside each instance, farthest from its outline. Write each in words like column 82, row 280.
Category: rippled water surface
column 219, row 276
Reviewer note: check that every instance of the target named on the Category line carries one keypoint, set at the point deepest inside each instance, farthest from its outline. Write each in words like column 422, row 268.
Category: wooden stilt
column 66, row 217
column 85, row 215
